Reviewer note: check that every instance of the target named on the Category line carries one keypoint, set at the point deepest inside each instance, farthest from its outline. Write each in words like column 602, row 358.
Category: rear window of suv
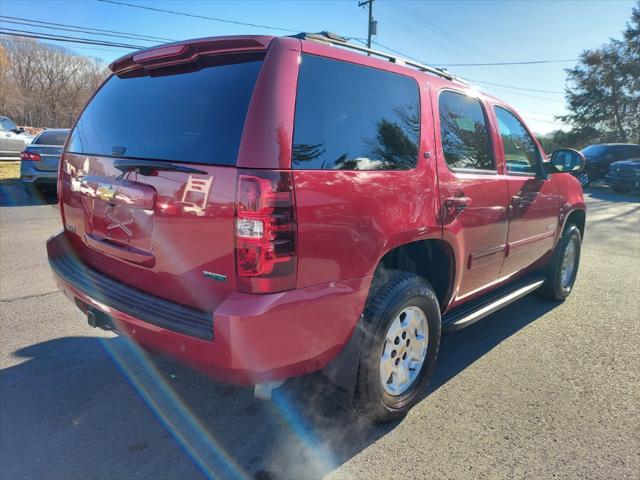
column 351, row 117
column 193, row 116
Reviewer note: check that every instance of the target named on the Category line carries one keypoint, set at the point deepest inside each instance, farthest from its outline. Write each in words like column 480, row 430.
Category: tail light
column 265, row 232
column 30, row 156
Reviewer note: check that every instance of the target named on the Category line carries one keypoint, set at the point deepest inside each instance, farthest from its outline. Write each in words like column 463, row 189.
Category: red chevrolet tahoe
column 264, row 207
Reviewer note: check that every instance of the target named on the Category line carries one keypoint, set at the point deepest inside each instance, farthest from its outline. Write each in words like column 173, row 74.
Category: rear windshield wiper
column 145, row 167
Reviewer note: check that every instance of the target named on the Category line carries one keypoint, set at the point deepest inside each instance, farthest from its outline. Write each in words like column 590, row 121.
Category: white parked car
column 13, row 139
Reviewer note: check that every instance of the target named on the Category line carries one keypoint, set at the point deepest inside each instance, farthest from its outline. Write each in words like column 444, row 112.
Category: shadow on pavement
column 73, row 409
column 13, row 193
column 607, row 194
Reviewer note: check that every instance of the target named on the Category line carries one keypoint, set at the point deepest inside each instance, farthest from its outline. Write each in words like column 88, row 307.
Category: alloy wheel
column 405, row 350
column 568, row 265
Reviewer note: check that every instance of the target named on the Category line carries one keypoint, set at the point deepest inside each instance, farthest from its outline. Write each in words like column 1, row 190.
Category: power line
column 414, row 15
column 420, row 34
column 516, row 88
column 522, row 94
column 60, row 38
column 27, row 24
column 75, row 47
column 530, row 62
column 92, row 30
column 88, row 41
column 489, row 83
column 396, row 51
column 438, row 30
column 185, row 14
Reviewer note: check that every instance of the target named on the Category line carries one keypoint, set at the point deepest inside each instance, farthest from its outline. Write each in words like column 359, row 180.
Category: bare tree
column 43, row 85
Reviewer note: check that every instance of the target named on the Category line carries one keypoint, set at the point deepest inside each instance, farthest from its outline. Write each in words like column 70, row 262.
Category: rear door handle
column 459, row 203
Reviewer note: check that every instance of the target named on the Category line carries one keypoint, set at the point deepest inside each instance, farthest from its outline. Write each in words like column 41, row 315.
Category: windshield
column 594, row 150
column 194, row 116
column 7, row 124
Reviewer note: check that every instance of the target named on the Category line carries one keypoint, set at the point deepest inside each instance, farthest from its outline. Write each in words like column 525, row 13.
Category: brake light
column 161, row 53
column 265, row 232
column 30, row 156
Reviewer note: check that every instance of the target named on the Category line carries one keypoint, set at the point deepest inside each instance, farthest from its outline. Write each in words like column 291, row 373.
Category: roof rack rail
column 334, row 39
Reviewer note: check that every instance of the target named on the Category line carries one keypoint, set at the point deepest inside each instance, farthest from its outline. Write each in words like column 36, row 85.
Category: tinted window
column 350, row 117
column 465, row 136
column 619, row 152
column 521, row 153
column 634, row 151
column 52, row 137
column 195, row 116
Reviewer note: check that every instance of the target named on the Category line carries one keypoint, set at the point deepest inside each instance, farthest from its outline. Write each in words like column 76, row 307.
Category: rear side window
column 621, row 152
column 465, row 136
column 521, row 153
column 56, row 137
column 189, row 116
column 350, row 117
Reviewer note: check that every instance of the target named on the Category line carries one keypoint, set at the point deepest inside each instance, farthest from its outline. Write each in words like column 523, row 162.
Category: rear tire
column 400, row 346
column 562, row 272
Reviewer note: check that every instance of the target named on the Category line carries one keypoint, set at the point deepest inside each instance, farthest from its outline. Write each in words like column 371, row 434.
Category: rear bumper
column 30, row 174
column 254, row 338
column 623, row 182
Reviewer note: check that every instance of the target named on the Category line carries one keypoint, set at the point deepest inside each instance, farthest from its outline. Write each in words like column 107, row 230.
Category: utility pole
column 372, row 24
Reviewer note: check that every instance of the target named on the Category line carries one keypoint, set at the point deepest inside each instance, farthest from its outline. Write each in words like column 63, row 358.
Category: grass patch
column 9, row 171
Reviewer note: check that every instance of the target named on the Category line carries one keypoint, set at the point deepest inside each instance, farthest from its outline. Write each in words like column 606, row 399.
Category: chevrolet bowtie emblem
column 122, row 224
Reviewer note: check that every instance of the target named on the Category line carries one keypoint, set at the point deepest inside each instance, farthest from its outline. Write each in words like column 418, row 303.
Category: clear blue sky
column 437, row 32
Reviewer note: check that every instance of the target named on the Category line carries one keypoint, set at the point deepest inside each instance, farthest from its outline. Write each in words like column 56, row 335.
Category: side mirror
column 565, row 160
column 18, row 130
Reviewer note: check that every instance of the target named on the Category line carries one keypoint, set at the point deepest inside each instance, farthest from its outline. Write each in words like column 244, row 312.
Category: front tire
column 400, row 347
column 563, row 270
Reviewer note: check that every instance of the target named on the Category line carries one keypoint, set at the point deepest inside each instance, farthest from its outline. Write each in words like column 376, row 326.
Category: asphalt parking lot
column 538, row 390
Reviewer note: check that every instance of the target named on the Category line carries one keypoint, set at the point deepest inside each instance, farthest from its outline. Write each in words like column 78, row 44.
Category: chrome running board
column 465, row 315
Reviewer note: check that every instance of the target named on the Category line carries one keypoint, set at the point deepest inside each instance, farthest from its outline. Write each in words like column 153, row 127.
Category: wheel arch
column 578, row 217
column 416, row 257
column 432, row 259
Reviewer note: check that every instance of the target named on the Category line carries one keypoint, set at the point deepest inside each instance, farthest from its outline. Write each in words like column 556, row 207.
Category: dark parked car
column 39, row 161
column 600, row 156
column 624, row 176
